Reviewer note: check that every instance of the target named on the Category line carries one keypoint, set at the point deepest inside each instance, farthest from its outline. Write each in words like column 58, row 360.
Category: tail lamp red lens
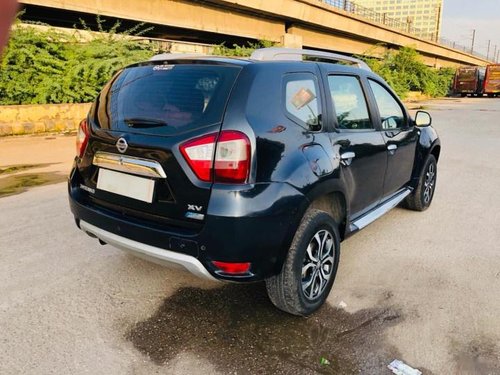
column 220, row 158
column 232, row 268
column 232, row 158
column 82, row 138
column 199, row 153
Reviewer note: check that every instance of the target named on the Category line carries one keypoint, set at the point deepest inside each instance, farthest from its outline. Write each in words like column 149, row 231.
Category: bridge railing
column 382, row 18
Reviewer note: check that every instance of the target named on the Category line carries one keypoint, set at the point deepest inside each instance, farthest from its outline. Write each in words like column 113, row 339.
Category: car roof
column 274, row 54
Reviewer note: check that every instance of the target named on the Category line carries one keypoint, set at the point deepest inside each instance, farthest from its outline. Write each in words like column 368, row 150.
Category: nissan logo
column 122, row 145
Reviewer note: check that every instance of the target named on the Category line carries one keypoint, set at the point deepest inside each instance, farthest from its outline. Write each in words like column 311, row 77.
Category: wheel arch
column 335, row 205
column 428, row 144
column 436, row 151
column 330, row 198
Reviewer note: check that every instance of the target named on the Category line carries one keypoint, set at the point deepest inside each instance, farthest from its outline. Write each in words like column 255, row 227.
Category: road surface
column 420, row 287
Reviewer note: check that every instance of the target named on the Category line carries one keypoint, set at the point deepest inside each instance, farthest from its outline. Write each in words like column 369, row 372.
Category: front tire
column 310, row 267
column 421, row 198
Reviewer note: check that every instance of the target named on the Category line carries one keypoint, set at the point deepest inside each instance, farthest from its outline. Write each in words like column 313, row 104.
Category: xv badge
column 192, row 207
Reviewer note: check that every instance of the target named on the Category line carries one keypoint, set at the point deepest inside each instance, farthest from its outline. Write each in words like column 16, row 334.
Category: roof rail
column 175, row 56
column 276, row 53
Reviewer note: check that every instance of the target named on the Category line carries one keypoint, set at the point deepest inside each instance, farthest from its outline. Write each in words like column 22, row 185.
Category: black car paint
column 256, row 222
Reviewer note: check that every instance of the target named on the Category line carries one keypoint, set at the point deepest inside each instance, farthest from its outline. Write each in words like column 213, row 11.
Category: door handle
column 392, row 149
column 346, row 158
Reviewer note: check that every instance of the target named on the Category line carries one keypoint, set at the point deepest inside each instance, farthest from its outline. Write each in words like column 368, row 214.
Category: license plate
column 127, row 185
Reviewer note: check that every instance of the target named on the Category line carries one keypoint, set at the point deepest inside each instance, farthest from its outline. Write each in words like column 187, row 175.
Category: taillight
column 199, row 153
column 231, row 162
column 232, row 158
column 82, row 138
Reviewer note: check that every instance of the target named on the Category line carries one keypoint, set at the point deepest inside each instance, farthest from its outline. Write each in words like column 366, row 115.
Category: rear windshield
column 166, row 99
column 468, row 74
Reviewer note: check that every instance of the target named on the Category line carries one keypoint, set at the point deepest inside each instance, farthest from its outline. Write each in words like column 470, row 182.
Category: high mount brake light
column 82, row 138
column 224, row 159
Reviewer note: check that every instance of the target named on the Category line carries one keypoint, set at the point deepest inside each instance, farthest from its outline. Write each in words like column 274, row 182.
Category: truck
column 469, row 80
column 491, row 85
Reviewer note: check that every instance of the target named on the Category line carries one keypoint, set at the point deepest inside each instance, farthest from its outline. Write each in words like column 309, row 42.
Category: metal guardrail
column 382, row 18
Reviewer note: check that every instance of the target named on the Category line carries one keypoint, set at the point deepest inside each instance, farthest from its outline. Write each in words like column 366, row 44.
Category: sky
column 461, row 17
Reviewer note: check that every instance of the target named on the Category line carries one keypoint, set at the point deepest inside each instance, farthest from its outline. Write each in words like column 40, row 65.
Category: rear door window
column 302, row 103
column 349, row 102
column 467, row 74
column 166, row 99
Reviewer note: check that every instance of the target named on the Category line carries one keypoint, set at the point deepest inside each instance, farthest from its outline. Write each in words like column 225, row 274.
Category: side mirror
column 423, row 119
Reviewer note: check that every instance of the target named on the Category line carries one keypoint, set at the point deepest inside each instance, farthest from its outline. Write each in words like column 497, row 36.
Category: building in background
column 422, row 17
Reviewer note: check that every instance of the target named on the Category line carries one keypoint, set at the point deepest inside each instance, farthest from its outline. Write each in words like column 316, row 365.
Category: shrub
column 241, row 51
column 405, row 71
column 43, row 66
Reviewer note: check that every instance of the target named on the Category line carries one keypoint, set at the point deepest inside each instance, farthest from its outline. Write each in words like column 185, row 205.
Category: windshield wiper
column 140, row 122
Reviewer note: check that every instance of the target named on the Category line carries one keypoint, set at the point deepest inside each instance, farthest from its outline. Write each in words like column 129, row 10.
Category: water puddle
column 238, row 330
column 19, row 183
column 9, row 169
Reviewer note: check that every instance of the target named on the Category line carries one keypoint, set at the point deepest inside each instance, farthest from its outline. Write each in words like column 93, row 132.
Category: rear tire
column 421, row 198
column 310, row 267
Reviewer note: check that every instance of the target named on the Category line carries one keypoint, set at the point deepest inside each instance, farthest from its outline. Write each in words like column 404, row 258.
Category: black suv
column 247, row 170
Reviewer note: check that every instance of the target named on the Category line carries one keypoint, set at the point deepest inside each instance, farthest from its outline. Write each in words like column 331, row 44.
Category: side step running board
column 385, row 207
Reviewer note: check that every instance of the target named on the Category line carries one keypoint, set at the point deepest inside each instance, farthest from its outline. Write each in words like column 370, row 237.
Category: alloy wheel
column 430, row 180
column 318, row 264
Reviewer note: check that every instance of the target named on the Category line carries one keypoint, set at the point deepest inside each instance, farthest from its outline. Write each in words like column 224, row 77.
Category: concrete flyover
column 295, row 23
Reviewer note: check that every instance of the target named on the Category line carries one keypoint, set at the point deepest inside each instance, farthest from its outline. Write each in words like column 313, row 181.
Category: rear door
column 466, row 80
column 140, row 120
column 399, row 136
column 357, row 141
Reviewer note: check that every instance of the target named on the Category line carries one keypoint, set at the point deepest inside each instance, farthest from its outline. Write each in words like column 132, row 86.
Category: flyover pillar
column 291, row 41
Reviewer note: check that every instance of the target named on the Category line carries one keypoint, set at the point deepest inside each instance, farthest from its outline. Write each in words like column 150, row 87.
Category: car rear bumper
column 151, row 253
column 255, row 224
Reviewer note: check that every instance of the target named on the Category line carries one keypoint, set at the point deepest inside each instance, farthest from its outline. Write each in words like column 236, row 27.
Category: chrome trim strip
column 371, row 216
column 129, row 164
column 155, row 254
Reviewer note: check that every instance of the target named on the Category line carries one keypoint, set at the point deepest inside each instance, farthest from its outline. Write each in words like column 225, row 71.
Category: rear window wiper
column 140, row 122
